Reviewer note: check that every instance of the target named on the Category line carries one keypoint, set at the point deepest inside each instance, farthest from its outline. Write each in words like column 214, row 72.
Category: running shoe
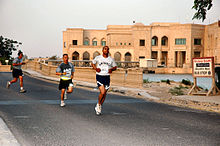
column 98, row 109
column 8, row 85
column 22, row 91
column 62, row 104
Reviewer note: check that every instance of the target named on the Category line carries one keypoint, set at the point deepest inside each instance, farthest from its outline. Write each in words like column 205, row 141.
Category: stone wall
column 5, row 68
column 120, row 77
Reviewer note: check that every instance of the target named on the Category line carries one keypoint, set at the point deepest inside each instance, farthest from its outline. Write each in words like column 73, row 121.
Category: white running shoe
column 62, row 104
column 65, row 95
column 98, row 109
column 22, row 91
column 8, row 85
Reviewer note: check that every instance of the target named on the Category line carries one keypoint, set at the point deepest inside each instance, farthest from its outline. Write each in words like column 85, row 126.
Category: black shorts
column 103, row 80
column 64, row 84
column 16, row 73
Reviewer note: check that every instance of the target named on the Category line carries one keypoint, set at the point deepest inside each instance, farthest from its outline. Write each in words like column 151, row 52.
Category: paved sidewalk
column 208, row 103
column 6, row 137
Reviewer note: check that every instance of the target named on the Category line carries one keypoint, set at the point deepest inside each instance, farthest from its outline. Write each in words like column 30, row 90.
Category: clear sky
column 38, row 24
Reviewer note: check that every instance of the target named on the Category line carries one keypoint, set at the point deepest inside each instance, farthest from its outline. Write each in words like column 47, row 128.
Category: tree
column 201, row 7
column 6, row 48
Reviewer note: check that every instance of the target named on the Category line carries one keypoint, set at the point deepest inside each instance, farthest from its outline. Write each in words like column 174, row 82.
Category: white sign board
column 203, row 67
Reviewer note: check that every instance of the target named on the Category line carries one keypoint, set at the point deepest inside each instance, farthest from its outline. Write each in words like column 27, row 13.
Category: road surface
column 35, row 118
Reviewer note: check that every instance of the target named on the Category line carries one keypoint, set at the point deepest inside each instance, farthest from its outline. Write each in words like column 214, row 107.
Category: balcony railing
column 87, row 63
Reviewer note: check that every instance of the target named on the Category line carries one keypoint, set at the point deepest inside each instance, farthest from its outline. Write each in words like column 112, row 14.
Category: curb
column 6, row 137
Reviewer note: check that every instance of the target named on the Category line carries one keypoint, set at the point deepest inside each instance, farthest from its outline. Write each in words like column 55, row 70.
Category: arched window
column 103, row 42
column 164, row 41
column 86, row 56
column 96, row 54
column 86, row 41
column 94, row 42
column 75, row 56
column 154, row 41
column 128, row 56
column 117, row 56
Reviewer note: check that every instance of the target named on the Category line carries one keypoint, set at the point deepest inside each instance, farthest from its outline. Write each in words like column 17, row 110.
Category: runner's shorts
column 64, row 84
column 103, row 80
column 16, row 73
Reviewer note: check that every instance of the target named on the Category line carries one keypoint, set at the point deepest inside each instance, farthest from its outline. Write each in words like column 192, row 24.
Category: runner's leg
column 70, row 89
column 21, row 81
column 103, row 98
column 14, row 80
column 62, row 94
column 102, row 94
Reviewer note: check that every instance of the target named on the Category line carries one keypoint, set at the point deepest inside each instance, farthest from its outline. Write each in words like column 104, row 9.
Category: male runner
column 104, row 65
column 66, row 71
column 17, row 71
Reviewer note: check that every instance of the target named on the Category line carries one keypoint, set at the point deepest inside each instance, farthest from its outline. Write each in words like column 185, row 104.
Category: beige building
column 172, row 44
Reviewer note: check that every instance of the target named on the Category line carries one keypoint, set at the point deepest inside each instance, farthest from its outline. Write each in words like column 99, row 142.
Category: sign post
column 203, row 67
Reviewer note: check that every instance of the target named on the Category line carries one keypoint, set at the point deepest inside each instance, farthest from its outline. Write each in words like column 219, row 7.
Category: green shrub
column 167, row 81
column 177, row 90
column 146, row 80
column 186, row 82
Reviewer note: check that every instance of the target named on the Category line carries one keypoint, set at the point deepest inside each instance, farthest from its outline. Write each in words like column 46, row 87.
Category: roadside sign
column 203, row 67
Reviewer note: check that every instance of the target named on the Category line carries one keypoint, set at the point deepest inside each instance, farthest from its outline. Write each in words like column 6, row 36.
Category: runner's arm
column 95, row 68
column 72, row 75
column 17, row 64
column 59, row 71
column 112, row 69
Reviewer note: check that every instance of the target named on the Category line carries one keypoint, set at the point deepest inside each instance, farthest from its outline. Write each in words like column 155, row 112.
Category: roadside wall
column 5, row 68
column 173, row 70
column 120, row 77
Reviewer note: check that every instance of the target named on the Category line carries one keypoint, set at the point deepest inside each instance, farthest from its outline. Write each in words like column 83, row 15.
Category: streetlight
column 6, row 61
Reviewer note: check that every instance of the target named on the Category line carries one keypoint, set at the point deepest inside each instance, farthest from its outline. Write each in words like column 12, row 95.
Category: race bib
column 104, row 69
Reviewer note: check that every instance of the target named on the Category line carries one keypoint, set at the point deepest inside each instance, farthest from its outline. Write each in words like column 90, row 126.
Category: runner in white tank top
column 104, row 65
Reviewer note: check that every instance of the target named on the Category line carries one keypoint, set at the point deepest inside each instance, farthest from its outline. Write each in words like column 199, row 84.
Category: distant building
column 172, row 44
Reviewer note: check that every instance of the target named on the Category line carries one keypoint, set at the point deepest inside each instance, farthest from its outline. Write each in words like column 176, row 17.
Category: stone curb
column 6, row 137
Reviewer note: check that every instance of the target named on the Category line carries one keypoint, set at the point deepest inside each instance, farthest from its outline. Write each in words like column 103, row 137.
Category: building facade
column 172, row 44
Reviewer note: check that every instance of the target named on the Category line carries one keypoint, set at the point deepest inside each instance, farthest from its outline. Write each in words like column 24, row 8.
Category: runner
column 17, row 71
column 104, row 65
column 66, row 72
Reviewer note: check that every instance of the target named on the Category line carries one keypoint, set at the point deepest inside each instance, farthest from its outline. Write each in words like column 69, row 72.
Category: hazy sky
column 38, row 24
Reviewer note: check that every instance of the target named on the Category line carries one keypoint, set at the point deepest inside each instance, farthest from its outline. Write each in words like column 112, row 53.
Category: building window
column 129, row 44
column 154, row 55
column 197, row 41
column 120, row 43
column 196, row 54
column 74, row 42
column 125, row 44
column 180, row 41
column 86, row 43
column 142, row 42
column 141, row 57
column 103, row 43
column 94, row 43
column 164, row 41
column 64, row 44
column 154, row 41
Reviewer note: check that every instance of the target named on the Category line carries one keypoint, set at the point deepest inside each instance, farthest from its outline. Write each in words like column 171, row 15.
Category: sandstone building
column 172, row 44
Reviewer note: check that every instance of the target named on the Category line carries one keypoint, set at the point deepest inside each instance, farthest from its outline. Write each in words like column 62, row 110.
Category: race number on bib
column 104, row 69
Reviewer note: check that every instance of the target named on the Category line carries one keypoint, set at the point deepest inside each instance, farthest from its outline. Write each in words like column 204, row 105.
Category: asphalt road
column 35, row 118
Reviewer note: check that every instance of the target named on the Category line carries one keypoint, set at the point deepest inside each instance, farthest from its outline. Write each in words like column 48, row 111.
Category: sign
column 203, row 67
